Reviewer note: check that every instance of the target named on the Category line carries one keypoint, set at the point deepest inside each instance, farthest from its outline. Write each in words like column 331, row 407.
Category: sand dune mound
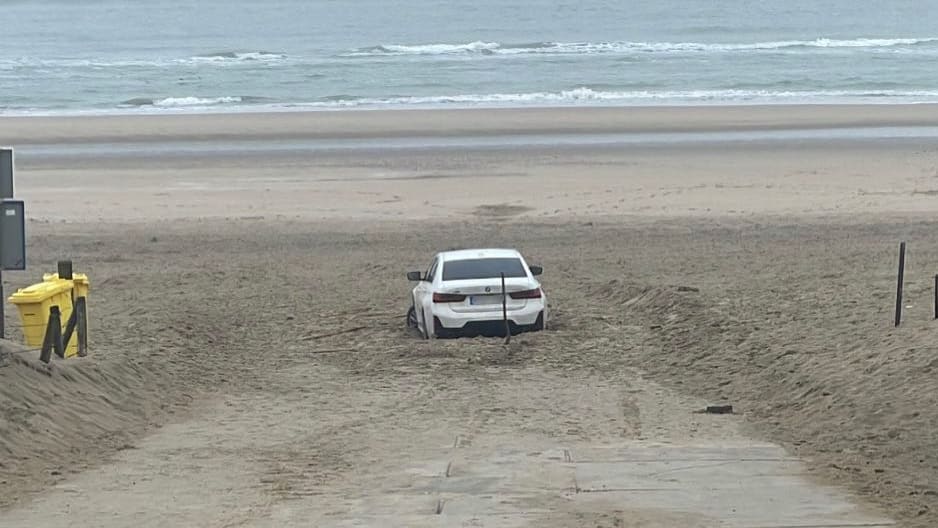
column 65, row 408
column 860, row 403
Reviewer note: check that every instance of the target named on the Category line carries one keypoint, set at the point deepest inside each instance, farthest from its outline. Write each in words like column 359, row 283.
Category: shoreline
column 395, row 123
column 314, row 108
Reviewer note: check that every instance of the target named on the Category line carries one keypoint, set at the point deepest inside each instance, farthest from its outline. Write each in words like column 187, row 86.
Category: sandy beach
column 693, row 255
column 458, row 122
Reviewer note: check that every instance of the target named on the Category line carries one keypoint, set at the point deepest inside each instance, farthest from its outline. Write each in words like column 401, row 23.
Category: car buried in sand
column 461, row 295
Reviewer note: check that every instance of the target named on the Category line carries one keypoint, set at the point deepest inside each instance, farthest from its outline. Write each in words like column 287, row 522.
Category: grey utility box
column 6, row 173
column 12, row 235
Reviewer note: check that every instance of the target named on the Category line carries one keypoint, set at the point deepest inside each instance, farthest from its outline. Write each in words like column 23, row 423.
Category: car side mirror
column 536, row 270
column 414, row 276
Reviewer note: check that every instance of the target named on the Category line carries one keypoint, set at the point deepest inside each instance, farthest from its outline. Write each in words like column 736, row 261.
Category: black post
column 82, row 309
column 70, row 327
column 55, row 322
column 936, row 297
column 899, row 286
column 65, row 269
column 49, row 342
column 505, row 311
column 45, row 355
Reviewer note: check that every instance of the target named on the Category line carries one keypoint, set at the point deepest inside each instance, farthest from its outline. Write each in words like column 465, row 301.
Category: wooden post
column 936, row 297
column 65, row 269
column 55, row 321
column 899, row 285
column 45, row 355
column 81, row 308
column 53, row 339
column 505, row 311
column 70, row 326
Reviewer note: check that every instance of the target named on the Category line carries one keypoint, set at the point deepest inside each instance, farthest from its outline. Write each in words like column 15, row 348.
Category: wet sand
column 461, row 122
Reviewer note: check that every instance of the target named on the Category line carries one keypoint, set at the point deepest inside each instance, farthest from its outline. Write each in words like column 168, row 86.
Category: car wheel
column 411, row 317
column 539, row 323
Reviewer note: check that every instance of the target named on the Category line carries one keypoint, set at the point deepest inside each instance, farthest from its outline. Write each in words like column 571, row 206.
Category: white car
column 461, row 294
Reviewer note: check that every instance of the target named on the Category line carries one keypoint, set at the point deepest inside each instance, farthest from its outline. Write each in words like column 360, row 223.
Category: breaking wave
column 577, row 96
column 428, row 49
column 584, row 95
column 624, row 47
column 182, row 102
column 219, row 58
column 239, row 56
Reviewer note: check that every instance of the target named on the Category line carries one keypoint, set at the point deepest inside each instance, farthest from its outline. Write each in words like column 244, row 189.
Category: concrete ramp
column 740, row 485
column 530, row 450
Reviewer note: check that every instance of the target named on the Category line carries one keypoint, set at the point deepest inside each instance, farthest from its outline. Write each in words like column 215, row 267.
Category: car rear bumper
column 484, row 328
column 522, row 317
column 488, row 323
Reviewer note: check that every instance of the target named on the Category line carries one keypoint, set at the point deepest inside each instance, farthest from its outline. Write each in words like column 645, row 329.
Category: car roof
column 464, row 254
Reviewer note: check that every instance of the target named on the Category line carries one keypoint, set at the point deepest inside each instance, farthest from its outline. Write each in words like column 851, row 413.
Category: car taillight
column 448, row 297
column 526, row 294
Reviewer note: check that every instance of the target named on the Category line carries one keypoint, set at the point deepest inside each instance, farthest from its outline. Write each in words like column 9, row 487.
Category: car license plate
column 476, row 300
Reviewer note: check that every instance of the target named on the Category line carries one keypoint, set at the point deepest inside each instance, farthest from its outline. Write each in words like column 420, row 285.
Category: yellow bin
column 34, row 303
column 82, row 287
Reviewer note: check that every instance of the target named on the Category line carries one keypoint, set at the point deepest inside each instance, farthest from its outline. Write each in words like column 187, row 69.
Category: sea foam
column 625, row 47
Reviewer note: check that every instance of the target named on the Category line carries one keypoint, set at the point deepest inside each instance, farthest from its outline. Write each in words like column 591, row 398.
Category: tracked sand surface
column 287, row 401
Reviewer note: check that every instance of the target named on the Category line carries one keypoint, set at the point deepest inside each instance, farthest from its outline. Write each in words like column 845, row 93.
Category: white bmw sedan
column 461, row 294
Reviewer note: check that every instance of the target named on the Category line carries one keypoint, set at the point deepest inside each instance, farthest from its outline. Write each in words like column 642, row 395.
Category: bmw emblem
column 487, row 289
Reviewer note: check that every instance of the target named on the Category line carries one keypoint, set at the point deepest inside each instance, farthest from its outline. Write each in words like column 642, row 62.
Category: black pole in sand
column 505, row 311
column 936, row 297
column 899, row 286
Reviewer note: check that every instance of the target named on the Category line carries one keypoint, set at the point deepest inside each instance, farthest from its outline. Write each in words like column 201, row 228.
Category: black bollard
column 81, row 308
column 899, row 286
column 65, row 269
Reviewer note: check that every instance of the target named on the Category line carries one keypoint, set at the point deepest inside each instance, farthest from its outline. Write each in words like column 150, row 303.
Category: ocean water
column 129, row 56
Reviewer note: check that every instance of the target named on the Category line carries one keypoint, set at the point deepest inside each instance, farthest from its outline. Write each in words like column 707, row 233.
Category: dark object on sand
column 719, row 409
column 505, row 311
column 899, row 286
column 64, row 267
column 688, row 289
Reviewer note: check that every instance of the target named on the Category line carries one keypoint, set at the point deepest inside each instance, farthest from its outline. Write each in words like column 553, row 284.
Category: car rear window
column 482, row 268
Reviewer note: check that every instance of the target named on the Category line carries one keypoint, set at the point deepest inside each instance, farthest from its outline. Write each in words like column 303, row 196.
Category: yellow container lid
column 41, row 291
column 80, row 278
